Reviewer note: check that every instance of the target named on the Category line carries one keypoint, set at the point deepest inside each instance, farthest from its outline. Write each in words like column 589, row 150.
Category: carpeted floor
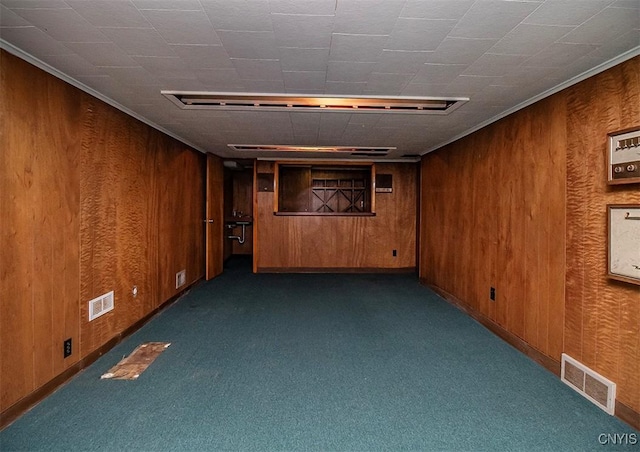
column 317, row 362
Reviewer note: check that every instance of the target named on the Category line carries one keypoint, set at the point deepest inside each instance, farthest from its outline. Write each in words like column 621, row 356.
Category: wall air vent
column 199, row 100
column 352, row 150
column 101, row 305
column 589, row 383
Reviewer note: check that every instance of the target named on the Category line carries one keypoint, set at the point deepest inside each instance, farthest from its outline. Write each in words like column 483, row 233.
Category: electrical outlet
column 492, row 294
column 395, row 253
column 67, row 348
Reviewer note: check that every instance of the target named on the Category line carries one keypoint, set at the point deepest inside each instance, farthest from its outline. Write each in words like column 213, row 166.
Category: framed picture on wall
column 624, row 242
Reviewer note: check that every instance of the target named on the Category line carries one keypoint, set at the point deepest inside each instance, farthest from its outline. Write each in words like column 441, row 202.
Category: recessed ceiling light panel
column 199, row 100
column 353, row 150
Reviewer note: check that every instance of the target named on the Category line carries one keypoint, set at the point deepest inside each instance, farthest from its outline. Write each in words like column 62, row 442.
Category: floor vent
column 100, row 305
column 589, row 383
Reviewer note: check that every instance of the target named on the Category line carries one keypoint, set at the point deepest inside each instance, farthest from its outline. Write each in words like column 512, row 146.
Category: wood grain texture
column 215, row 211
column 534, row 188
column 317, row 242
column 243, row 202
column 493, row 216
column 602, row 322
column 95, row 201
column 39, row 211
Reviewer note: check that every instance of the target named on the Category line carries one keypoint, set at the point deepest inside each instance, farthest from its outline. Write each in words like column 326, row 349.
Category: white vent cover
column 181, row 278
column 589, row 383
column 100, row 305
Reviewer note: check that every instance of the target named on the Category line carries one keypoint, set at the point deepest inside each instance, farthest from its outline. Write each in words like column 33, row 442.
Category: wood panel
column 215, row 217
column 492, row 212
column 179, row 196
column 39, row 212
column 536, row 194
column 243, row 202
column 118, row 236
column 602, row 325
column 316, row 242
column 93, row 201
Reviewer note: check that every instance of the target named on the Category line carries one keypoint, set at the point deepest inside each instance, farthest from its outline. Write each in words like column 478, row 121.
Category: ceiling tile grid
column 499, row 53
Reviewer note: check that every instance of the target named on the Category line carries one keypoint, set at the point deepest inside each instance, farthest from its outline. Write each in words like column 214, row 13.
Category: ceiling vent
column 352, row 150
column 198, row 100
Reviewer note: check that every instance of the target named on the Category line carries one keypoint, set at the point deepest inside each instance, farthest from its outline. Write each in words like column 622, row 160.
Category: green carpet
column 316, row 362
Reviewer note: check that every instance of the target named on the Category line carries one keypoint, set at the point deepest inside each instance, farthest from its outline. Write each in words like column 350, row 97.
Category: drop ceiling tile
column 297, row 59
column 460, row 50
column 219, row 79
column 165, row 66
column 107, row 86
column 10, row 19
column 170, row 5
column 345, row 71
column 130, row 76
column 305, row 91
column 139, row 41
column 316, row 7
column 33, row 41
column 203, row 56
column 245, row 44
column 438, row 73
column 303, row 122
column 470, row 85
column 345, row 88
column 435, row 9
column 367, row 16
column 258, row 69
column 186, row 83
column 264, row 86
column 559, row 54
column 630, row 4
column 566, row 12
column 617, row 46
column 402, row 61
column 109, row 14
column 36, row 4
column 297, row 30
column 387, row 84
column 72, row 65
column 239, row 15
column 63, row 25
column 363, row 48
column 101, row 53
column 419, row 34
column 369, row 120
column 604, row 27
column 183, row 27
column 494, row 65
column 527, row 39
column 492, row 19
column 314, row 80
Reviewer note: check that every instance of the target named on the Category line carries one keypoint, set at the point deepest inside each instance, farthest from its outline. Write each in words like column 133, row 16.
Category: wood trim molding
column 335, row 270
column 26, row 403
column 622, row 411
column 545, row 361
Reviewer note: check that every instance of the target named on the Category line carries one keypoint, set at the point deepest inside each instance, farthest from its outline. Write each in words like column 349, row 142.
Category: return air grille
column 101, row 305
column 589, row 383
column 197, row 100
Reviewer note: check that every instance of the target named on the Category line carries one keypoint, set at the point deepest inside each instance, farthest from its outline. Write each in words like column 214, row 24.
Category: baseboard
column 335, row 270
column 622, row 411
column 29, row 401
column 628, row 415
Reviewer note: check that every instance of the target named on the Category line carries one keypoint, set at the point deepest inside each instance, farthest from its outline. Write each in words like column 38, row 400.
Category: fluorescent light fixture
column 200, row 100
column 353, row 150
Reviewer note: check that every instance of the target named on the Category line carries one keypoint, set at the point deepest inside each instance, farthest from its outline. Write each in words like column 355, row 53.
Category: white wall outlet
column 181, row 278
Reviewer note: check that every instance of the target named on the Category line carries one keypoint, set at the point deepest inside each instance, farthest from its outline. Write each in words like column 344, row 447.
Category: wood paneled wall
column 341, row 242
column 602, row 322
column 92, row 201
column 243, row 202
column 521, row 206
